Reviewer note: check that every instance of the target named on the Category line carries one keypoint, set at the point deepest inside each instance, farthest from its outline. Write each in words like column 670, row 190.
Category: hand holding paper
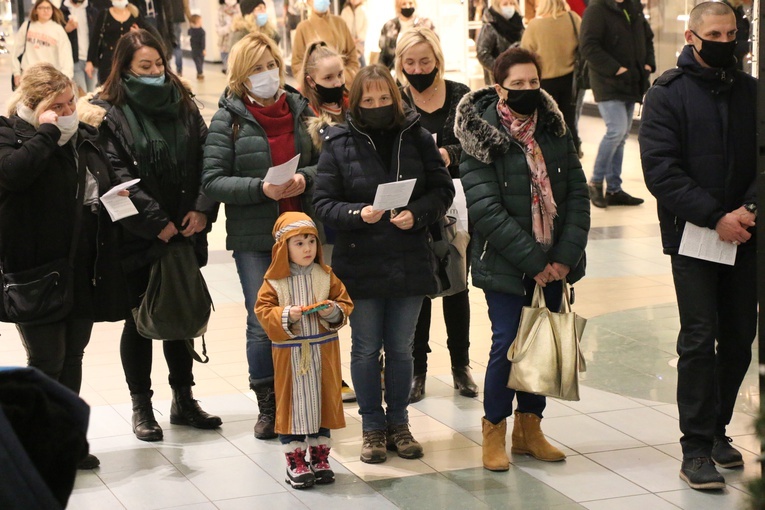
column 392, row 195
column 281, row 174
column 117, row 204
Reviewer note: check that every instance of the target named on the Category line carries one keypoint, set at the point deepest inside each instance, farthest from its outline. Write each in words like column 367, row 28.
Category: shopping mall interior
column 620, row 438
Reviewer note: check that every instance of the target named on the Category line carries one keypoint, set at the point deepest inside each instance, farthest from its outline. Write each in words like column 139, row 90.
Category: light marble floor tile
column 647, row 467
column 644, row 502
column 160, row 487
column 585, row 434
column 283, row 501
column 394, row 467
column 644, row 424
column 581, row 479
column 689, row 499
column 235, row 477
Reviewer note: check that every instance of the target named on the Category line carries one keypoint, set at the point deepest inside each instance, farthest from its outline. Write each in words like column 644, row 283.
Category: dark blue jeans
column 718, row 322
column 505, row 315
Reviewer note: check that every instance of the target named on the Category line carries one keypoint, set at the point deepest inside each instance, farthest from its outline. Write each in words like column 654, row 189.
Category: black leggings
column 457, row 320
column 136, row 354
column 56, row 349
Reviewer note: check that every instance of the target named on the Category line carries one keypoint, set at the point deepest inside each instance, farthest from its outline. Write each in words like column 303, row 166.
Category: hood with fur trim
column 486, row 141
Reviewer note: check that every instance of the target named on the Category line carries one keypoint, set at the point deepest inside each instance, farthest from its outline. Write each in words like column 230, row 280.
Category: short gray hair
column 706, row 9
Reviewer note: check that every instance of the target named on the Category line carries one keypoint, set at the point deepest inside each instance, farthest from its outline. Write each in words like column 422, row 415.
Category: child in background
column 227, row 10
column 301, row 305
column 197, row 35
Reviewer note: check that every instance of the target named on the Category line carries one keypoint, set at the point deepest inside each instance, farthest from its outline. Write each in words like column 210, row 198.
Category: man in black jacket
column 698, row 148
column 617, row 43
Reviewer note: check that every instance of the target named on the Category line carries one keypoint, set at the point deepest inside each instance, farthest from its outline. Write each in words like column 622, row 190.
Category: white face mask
column 508, row 12
column 265, row 85
column 68, row 126
column 120, row 4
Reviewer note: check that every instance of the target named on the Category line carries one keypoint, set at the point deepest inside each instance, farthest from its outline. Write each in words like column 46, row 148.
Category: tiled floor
column 621, row 438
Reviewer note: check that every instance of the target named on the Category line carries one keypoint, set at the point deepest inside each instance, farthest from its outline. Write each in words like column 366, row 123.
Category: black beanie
column 247, row 6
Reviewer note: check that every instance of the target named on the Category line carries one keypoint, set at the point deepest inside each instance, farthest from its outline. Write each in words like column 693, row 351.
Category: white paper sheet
column 280, row 174
column 393, row 195
column 117, row 206
column 458, row 208
column 704, row 243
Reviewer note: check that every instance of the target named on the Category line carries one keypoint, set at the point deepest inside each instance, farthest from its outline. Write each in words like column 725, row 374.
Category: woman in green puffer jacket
column 261, row 123
column 528, row 204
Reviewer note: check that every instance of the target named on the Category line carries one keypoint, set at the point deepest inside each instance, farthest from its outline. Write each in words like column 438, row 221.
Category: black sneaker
column 700, row 473
column 621, row 197
column 596, row 195
column 92, row 462
column 724, row 455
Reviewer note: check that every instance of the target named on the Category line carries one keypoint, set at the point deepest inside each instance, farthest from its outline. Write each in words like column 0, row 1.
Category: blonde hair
column 415, row 36
column 315, row 53
column 242, row 59
column 40, row 85
column 399, row 2
column 495, row 4
column 552, row 8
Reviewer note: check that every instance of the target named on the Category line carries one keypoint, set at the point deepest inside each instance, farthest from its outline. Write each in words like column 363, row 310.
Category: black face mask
column 330, row 94
column 716, row 54
column 421, row 82
column 523, row 101
column 407, row 12
column 378, row 118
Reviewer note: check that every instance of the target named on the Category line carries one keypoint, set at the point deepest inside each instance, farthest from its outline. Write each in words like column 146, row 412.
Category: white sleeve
column 21, row 37
column 65, row 59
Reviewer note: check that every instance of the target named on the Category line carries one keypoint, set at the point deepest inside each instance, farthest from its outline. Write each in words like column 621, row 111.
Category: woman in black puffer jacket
column 383, row 257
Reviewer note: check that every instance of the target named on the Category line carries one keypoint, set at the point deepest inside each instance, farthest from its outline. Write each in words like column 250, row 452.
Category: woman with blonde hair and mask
column 45, row 213
column 406, row 18
column 43, row 39
column 502, row 28
column 420, row 67
column 261, row 123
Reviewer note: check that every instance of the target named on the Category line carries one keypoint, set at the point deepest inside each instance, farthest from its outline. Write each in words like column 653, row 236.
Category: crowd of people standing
column 513, row 147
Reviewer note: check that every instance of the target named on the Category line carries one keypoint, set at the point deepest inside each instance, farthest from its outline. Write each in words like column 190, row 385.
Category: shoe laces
column 320, row 456
column 374, row 438
column 402, row 434
column 296, row 461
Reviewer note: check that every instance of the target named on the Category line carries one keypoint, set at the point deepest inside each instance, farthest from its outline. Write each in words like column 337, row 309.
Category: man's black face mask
column 715, row 53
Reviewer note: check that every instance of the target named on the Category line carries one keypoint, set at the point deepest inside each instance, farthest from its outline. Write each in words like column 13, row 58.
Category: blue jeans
column 178, row 51
column 608, row 163
column 376, row 324
column 82, row 79
column 252, row 266
column 505, row 316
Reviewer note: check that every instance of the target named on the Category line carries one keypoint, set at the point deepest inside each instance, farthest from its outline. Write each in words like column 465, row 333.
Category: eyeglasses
column 44, row 8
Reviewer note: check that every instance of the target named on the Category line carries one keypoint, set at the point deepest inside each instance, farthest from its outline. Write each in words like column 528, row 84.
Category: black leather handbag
column 44, row 294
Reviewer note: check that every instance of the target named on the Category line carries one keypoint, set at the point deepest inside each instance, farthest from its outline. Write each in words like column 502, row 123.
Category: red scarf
column 279, row 124
column 543, row 208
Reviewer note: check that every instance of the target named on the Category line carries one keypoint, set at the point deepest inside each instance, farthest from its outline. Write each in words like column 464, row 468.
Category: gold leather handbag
column 546, row 354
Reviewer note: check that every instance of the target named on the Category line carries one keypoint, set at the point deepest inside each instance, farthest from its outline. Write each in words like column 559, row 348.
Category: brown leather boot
column 494, row 453
column 528, row 439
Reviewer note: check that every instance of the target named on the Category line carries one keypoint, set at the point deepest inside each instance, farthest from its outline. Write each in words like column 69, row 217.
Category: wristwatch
column 751, row 207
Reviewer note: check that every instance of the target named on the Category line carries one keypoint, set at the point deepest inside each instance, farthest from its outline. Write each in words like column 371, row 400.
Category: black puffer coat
column 140, row 245
column 697, row 144
column 610, row 39
column 380, row 260
column 38, row 185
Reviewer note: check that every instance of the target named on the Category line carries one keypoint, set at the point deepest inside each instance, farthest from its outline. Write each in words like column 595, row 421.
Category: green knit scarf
column 152, row 113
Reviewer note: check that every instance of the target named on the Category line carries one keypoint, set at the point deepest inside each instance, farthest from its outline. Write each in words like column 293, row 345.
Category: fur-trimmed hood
column 487, row 141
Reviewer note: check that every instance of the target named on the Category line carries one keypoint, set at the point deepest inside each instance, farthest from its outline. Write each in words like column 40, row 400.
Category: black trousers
column 199, row 61
column 56, row 349
column 457, row 320
column 136, row 354
column 560, row 89
column 717, row 305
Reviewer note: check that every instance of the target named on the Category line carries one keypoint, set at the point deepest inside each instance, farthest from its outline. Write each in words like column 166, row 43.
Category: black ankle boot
column 145, row 427
column 417, row 391
column 264, row 428
column 186, row 411
column 463, row 381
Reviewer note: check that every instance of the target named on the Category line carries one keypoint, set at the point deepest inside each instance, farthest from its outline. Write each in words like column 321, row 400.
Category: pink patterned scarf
column 543, row 208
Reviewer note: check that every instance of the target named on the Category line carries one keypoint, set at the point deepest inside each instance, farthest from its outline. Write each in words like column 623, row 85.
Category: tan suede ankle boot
column 494, row 453
column 528, row 439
